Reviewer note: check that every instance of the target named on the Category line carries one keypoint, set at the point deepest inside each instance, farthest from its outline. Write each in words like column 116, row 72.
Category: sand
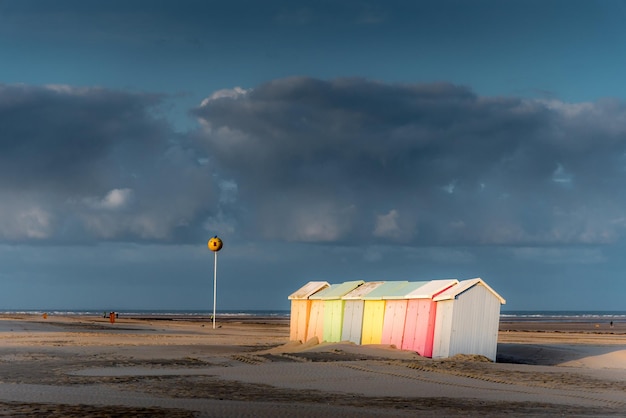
column 144, row 367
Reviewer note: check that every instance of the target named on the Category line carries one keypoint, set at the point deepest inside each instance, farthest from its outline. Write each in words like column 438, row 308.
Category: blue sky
column 321, row 141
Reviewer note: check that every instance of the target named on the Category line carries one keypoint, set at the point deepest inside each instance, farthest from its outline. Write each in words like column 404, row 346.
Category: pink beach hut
column 419, row 327
column 395, row 313
column 326, row 316
column 467, row 320
column 301, row 309
column 353, row 312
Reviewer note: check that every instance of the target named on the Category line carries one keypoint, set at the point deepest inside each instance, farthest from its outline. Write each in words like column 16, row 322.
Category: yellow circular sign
column 215, row 244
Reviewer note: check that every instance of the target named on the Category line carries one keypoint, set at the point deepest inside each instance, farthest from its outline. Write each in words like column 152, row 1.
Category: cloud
column 355, row 161
column 115, row 199
column 29, row 221
column 393, row 227
column 349, row 162
column 85, row 164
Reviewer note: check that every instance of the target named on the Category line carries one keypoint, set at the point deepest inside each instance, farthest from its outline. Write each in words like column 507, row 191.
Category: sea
column 167, row 313
column 564, row 316
column 536, row 316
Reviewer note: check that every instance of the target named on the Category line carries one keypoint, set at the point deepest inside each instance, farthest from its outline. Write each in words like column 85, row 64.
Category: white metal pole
column 214, row 286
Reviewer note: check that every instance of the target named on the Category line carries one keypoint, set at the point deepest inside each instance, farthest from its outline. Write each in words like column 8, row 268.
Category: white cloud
column 387, row 225
column 233, row 93
column 393, row 227
column 569, row 110
column 23, row 218
column 34, row 223
column 115, row 199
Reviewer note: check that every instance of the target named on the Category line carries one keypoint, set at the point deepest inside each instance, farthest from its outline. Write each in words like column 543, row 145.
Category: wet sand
column 171, row 367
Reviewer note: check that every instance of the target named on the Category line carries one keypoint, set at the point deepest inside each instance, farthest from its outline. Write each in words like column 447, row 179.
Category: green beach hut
column 326, row 319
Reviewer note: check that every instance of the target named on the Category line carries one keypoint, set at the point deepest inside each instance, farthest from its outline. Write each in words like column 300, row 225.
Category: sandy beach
column 80, row 366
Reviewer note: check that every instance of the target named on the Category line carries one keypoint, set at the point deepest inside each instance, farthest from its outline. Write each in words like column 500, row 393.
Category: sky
column 336, row 141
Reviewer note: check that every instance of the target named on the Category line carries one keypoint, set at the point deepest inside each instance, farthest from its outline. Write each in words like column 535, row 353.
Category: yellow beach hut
column 374, row 311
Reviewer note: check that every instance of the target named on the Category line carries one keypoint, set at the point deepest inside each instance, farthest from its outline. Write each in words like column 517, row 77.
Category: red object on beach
column 112, row 317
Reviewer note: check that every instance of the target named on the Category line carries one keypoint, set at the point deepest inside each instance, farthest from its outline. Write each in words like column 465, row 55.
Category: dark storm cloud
column 55, row 137
column 351, row 160
column 78, row 164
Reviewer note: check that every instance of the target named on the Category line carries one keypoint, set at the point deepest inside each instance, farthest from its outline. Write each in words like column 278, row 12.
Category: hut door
column 352, row 321
column 411, row 324
column 393, row 323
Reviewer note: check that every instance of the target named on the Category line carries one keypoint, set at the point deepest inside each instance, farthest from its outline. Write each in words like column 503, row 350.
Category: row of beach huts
column 437, row 318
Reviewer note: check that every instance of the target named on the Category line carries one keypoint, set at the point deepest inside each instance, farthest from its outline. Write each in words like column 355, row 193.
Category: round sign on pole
column 215, row 244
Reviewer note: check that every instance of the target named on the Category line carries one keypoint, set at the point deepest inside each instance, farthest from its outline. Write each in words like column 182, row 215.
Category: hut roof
column 464, row 286
column 432, row 288
column 402, row 291
column 336, row 291
column 384, row 289
column 308, row 289
column 362, row 290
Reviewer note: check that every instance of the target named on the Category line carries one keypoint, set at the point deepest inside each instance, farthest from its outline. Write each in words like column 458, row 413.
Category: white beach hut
column 467, row 320
column 353, row 312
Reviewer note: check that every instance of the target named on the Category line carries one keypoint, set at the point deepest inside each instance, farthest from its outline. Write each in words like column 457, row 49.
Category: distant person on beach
column 611, row 324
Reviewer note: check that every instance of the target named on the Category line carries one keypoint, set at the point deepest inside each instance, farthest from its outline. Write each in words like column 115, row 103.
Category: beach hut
column 395, row 313
column 374, row 311
column 467, row 320
column 419, row 327
column 301, row 309
column 334, row 310
column 353, row 312
column 326, row 318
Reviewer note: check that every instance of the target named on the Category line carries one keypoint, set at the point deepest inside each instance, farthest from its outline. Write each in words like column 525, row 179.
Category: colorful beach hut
column 395, row 313
column 419, row 327
column 353, row 312
column 374, row 311
column 301, row 309
column 467, row 320
column 326, row 318
column 334, row 309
